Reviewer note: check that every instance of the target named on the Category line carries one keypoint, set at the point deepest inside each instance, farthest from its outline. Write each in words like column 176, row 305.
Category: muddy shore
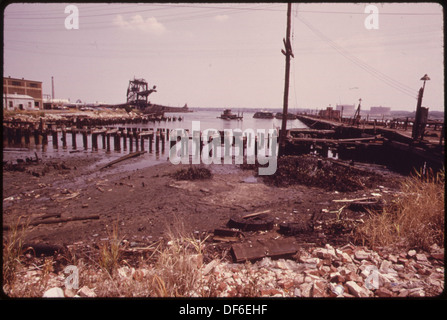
column 149, row 201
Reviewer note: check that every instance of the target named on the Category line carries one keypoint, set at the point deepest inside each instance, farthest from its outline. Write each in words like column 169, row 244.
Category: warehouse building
column 30, row 88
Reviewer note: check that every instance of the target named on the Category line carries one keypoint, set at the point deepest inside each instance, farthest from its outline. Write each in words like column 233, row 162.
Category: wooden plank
column 263, row 248
column 129, row 156
column 52, row 221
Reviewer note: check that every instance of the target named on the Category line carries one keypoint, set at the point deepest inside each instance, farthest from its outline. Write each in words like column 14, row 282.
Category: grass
column 177, row 266
column 13, row 251
column 109, row 251
column 415, row 219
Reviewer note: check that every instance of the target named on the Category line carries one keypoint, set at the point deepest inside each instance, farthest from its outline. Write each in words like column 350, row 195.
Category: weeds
column 416, row 218
column 109, row 253
column 12, row 251
column 177, row 265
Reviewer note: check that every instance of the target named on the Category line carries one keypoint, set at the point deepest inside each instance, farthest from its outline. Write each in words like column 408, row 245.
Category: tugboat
column 263, row 115
column 290, row 116
column 228, row 115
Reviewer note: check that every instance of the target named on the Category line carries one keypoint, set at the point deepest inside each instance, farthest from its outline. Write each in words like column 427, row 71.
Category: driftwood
column 52, row 221
column 129, row 156
column 255, row 214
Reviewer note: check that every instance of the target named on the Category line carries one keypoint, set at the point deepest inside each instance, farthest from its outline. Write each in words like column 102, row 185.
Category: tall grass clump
column 109, row 251
column 12, row 251
column 416, row 218
column 177, row 266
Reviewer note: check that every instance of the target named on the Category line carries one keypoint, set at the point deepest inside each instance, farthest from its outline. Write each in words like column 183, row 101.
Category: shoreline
column 146, row 206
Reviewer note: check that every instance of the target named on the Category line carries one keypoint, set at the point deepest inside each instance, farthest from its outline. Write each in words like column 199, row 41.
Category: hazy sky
column 229, row 55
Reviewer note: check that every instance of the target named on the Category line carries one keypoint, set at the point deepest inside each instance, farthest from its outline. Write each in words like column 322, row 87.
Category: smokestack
column 52, row 87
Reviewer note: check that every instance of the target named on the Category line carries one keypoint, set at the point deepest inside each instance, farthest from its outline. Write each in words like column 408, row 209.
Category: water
column 208, row 120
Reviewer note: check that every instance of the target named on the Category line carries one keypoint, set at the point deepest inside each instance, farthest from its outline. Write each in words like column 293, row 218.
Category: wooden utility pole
column 287, row 52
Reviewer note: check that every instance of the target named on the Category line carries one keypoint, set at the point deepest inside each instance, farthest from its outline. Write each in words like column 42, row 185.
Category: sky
column 228, row 55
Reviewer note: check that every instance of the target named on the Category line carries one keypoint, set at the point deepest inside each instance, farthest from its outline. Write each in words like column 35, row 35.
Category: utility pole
column 288, row 53
column 421, row 113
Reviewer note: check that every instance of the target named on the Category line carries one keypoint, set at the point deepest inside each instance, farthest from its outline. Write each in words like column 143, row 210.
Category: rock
column 86, row 292
column 416, row 293
column 70, row 293
column 319, row 289
column 126, row 272
column 210, row 266
column 438, row 256
column 337, row 289
column 392, row 258
column 411, row 253
column 385, row 266
column 306, row 289
column 421, row 257
column 361, row 255
column 383, row 293
column 356, row 290
column 54, row 293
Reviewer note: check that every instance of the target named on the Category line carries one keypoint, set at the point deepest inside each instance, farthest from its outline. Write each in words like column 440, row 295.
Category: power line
column 363, row 65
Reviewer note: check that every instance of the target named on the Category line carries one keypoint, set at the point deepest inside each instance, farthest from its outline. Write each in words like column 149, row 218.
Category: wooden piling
column 84, row 139
column 36, row 137
column 27, row 136
column 73, row 137
column 108, row 142
column 64, row 137
column 151, row 138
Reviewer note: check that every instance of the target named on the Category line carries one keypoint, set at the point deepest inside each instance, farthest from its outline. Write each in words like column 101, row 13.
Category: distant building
column 346, row 110
column 23, row 87
column 18, row 102
column 380, row 111
column 49, row 103
column 330, row 113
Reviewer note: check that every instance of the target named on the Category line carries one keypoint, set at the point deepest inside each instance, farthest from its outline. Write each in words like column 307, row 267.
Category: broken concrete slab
column 251, row 251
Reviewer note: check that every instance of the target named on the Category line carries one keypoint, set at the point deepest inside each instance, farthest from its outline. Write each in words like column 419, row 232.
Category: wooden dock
column 386, row 142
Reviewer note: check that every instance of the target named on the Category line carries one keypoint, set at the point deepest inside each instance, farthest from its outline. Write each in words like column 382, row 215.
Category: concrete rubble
column 348, row 272
column 316, row 272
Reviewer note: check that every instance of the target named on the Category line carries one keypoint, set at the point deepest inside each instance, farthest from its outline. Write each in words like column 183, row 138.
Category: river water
column 207, row 119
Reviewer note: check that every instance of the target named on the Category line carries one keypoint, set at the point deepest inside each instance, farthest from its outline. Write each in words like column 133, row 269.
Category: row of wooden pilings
column 123, row 138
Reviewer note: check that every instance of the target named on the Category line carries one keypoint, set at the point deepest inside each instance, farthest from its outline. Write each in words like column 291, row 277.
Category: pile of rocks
column 348, row 271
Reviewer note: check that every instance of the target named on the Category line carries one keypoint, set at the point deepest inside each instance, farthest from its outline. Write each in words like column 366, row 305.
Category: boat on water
column 290, row 116
column 228, row 115
column 263, row 115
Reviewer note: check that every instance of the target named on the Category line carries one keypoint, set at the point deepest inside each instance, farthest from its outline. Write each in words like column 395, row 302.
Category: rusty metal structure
column 138, row 93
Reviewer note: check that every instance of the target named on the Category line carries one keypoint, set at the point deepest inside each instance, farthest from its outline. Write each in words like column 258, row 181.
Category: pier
column 387, row 142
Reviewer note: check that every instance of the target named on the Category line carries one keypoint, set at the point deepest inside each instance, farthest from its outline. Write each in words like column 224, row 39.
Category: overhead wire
column 405, row 89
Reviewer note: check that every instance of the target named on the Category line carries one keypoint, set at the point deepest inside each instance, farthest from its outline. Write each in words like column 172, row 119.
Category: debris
column 54, row 293
column 260, row 249
column 51, row 221
column 43, row 249
column 193, row 173
column 86, row 292
column 293, row 228
column 227, row 235
column 255, row 214
column 261, row 221
column 123, row 158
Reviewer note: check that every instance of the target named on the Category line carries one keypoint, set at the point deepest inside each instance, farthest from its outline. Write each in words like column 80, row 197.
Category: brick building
column 30, row 88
